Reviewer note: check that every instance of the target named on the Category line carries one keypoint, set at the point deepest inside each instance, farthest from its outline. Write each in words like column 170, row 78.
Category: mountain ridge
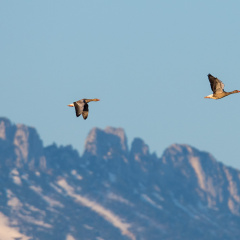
column 113, row 191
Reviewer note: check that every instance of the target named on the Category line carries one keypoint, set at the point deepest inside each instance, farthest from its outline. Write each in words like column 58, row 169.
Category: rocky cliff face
column 213, row 184
column 106, row 144
column 112, row 192
column 23, row 144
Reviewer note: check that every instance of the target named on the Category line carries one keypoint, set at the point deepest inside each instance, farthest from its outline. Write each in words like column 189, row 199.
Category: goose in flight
column 218, row 88
column 81, row 106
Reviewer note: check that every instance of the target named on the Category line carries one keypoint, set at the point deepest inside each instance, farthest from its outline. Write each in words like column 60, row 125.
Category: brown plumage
column 81, row 107
column 217, row 87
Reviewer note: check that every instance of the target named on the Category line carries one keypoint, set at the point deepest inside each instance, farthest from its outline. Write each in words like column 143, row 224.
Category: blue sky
column 146, row 60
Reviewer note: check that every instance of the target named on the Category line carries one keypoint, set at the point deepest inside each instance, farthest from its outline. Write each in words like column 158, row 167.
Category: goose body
column 81, row 106
column 217, row 87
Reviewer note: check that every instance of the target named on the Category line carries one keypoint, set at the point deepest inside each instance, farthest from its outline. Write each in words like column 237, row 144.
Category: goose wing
column 79, row 106
column 217, row 86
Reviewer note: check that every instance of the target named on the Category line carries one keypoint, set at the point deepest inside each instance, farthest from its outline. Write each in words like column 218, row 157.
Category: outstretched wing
column 79, row 106
column 217, row 86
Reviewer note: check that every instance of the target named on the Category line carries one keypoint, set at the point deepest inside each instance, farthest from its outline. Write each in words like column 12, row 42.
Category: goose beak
column 70, row 105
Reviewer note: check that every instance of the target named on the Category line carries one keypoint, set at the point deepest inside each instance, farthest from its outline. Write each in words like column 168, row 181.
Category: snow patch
column 15, row 176
column 14, row 172
column 49, row 200
column 159, row 197
column 34, row 209
column 25, row 176
column 105, row 213
column 88, row 227
column 70, row 237
column 115, row 197
column 17, row 180
column 36, row 189
column 57, row 189
column 178, row 204
column 52, row 202
column 9, row 233
column 33, row 220
column 74, row 173
column 150, row 201
column 13, row 201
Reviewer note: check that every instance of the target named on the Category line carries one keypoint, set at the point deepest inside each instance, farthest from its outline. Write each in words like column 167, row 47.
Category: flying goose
column 81, row 106
column 218, row 88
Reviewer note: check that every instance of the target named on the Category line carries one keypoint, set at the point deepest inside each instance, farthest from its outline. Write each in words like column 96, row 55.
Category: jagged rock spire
column 106, row 143
column 25, row 143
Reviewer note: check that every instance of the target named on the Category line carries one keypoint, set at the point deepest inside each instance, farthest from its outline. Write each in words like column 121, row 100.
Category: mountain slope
column 111, row 191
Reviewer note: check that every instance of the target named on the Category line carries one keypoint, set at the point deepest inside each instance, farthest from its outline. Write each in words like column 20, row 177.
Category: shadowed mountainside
column 111, row 191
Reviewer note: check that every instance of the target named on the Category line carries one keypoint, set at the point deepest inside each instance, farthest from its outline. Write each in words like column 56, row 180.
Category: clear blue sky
column 146, row 60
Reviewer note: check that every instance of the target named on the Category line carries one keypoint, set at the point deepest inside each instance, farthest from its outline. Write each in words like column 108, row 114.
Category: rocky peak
column 106, row 143
column 187, row 161
column 139, row 149
column 142, row 161
column 4, row 123
column 28, row 142
column 180, row 154
column 201, row 175
column 121, row 134
column 25, row 143
column 6, row 129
